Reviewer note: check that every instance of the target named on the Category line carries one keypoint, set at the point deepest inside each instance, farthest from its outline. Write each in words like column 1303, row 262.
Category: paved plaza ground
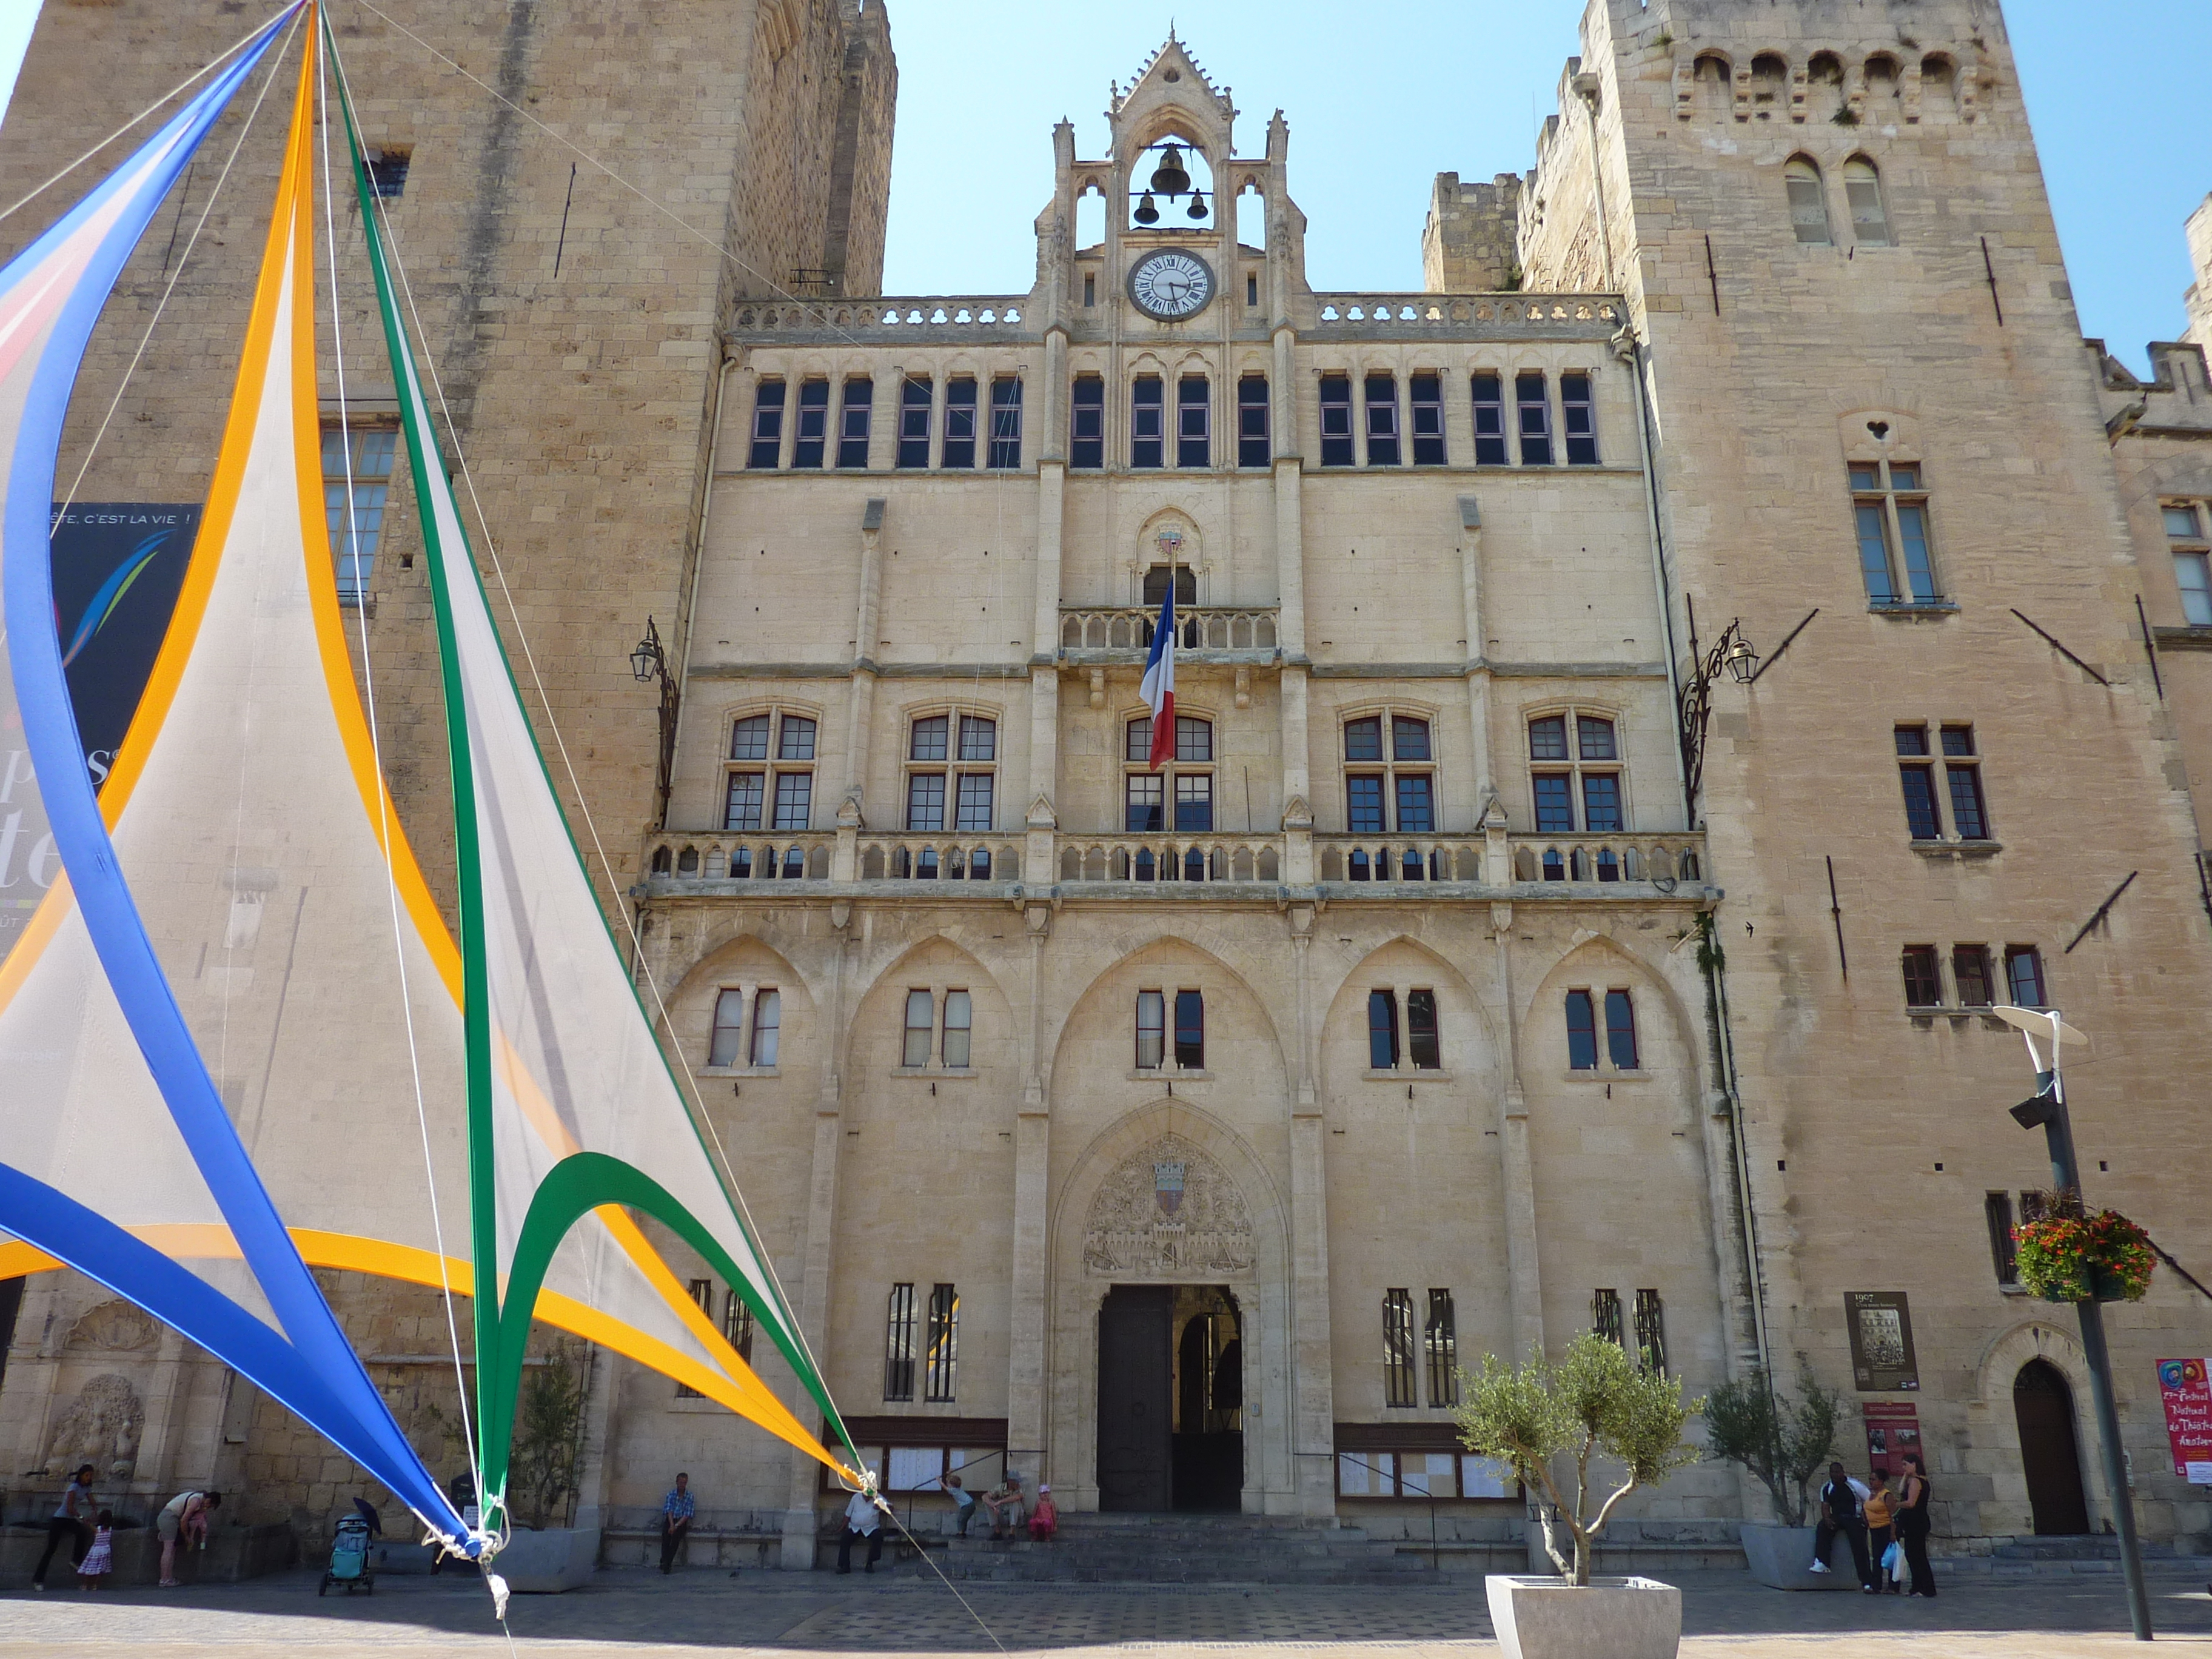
column 636, row 1614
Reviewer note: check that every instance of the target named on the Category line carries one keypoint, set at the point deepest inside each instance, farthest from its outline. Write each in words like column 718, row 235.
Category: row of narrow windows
column 1172, row 425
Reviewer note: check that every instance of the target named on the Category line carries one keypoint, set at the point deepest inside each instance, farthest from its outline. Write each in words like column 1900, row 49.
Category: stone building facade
column 1482, row 966
column 1334, row 1036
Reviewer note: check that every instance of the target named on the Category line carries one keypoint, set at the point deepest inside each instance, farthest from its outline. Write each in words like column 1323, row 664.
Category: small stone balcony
column 1100, row 634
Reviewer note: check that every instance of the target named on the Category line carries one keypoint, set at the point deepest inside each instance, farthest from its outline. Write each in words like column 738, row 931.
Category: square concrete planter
column 548, row 1562
column 1782, row 1558
column 1616, row 1617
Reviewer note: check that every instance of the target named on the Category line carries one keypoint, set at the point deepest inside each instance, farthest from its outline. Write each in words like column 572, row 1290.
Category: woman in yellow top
column 1881, row 1532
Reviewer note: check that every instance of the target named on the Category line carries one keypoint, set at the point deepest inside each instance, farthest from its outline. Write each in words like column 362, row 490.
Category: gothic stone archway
column 1171, row 1197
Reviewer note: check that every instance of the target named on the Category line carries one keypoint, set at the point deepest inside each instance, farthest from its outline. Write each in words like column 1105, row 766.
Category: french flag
column 1157, row 687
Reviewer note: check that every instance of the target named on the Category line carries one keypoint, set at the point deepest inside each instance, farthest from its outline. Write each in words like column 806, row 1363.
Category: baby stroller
column 353, row 1563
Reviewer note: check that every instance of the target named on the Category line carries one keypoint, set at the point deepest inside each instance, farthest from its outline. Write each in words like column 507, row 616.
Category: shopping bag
column 1893, row 1563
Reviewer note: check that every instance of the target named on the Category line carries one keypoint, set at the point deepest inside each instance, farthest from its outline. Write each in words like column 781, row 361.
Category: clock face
column 1171, row 285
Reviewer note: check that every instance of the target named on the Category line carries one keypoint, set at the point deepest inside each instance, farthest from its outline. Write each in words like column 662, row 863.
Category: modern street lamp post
column 2047, row 1107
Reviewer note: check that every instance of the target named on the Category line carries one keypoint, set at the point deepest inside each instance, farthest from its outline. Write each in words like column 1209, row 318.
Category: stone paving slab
column 640, row 1615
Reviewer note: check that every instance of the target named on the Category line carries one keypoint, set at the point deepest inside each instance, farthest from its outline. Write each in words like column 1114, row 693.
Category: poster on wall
column 118, row 568
column 1881, row 1341
column 1893, row 1428
column 2186, row 1392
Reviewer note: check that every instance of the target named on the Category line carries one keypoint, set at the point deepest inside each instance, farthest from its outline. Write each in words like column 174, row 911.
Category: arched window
column 1389, row 776
column 770, row 772
column 1938, row 85
column 1863, row 191
column 1809, row 202
column 1714, row 92
column 951, row 773
column 1576, row 754
column 1770, row 75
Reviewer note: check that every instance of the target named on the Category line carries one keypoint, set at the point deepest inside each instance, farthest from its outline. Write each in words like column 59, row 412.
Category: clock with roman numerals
column 1170, row 285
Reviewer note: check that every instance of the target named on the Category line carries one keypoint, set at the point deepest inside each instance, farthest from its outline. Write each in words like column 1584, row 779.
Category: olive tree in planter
column 1782, row 1440
column 1595, row 1404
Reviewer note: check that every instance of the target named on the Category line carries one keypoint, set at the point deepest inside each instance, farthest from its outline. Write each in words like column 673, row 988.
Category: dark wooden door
column 2048, row 1454
column 1136, row 1466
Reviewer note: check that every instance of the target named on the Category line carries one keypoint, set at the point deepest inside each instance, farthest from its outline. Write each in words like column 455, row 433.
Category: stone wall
column 1775, row 361
column 1468, row 241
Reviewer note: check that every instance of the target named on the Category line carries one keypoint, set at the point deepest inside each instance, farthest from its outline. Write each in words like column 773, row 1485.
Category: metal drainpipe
column 1714, row 968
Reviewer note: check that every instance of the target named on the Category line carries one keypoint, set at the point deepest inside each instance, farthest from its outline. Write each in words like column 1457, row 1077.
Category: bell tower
column 1171, row 184
column 1878, row 439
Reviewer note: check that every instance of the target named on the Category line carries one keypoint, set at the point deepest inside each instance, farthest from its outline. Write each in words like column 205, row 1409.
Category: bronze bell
column 1168, row 177
column 1147, row 214
column 1198, row 204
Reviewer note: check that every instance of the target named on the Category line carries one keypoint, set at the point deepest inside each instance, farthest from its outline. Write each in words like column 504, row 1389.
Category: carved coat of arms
column 1170, row 1212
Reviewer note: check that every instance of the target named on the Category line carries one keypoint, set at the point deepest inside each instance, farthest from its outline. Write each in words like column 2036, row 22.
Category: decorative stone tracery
column 1168, row 1211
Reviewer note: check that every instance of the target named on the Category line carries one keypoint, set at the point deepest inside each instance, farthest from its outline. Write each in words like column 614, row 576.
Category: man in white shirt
column 862, row 1519
column 1842, row 1509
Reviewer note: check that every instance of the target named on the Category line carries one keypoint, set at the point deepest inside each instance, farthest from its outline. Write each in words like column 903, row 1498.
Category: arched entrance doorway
column 2049, row 1454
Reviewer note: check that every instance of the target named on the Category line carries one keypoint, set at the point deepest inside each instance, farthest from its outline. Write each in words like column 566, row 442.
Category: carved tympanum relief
column 113, row 1327
column 1168, row 1211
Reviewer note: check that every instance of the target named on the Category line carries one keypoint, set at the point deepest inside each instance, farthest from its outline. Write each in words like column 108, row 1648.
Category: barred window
column 1398, row 1386
column 737, row 1324
column 1605, row 1314
column 898, row 1344
column 1441, row 1338
column 1651, row 1332
column 943, row 1349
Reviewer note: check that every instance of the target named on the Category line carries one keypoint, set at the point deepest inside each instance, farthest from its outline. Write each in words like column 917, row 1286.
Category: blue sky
column 1380, row 99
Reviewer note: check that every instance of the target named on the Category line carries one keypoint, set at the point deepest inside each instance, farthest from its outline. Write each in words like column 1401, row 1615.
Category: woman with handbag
column 1881, row 1537
column 1912, row 1524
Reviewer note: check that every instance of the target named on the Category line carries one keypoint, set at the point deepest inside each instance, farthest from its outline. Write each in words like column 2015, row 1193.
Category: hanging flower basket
column 2080, row 1257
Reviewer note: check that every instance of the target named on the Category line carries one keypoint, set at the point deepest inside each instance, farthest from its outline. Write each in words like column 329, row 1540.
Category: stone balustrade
column 942, row 317
column 1351, row 315
column 1112, row 633
column 1652, row 863
column 1171, row 858
column 1008, row 316
column 1663, row 860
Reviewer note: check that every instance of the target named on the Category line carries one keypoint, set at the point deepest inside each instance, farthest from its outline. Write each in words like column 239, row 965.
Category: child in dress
column 101, row 1556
